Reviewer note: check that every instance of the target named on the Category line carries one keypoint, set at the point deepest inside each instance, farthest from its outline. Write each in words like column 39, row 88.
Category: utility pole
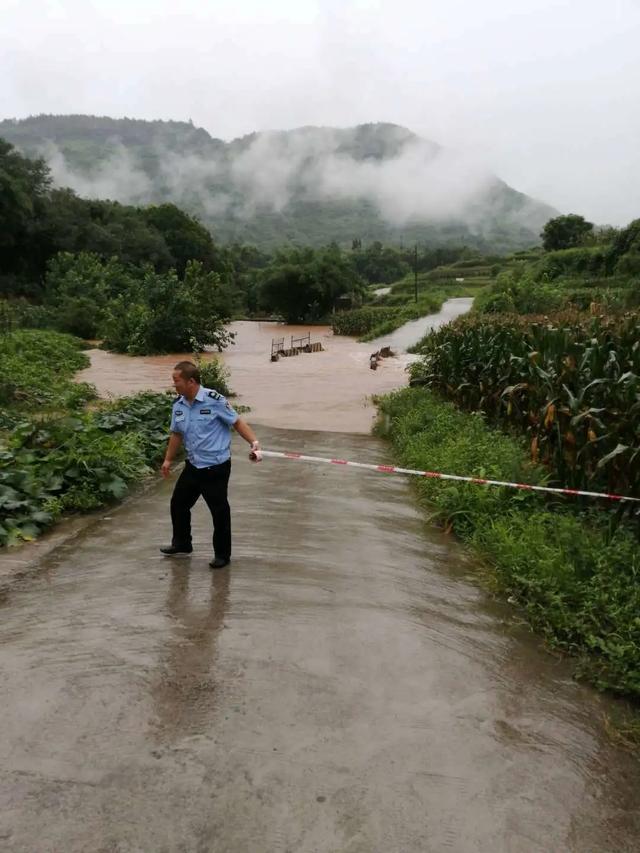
column 415, row 271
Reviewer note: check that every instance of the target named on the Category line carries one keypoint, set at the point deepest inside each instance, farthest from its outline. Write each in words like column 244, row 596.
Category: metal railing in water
column 298, row 345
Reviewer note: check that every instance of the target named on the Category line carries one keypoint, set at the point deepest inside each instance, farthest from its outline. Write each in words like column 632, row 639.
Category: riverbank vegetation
column 63, row 451
column 56, row 455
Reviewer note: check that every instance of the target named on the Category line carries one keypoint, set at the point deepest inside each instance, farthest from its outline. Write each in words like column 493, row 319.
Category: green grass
column 574, row 574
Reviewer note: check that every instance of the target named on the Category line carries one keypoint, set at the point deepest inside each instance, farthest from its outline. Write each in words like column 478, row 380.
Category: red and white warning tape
column 478, row 481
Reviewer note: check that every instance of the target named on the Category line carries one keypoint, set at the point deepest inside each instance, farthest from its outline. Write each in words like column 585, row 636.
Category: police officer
column 202, row 420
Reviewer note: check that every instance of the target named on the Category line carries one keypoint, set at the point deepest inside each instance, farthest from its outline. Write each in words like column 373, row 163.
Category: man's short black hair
column 188, row 370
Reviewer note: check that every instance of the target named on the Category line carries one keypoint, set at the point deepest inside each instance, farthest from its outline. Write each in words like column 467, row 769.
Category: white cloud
column 117, row 177
column 544, row 91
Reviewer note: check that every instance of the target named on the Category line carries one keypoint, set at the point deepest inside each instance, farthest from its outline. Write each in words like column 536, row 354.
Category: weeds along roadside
column 56, row 455
column 575, row 575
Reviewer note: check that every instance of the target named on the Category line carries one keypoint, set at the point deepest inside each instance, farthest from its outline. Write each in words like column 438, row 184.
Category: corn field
column 570, row 382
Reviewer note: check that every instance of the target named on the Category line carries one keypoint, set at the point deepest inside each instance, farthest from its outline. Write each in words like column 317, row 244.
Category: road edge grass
column 571, row 569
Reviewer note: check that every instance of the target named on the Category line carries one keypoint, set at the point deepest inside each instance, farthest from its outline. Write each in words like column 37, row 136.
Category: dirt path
column 342, row 688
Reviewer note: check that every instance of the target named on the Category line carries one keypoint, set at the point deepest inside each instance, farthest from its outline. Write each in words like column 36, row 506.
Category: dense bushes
column 576, row 579
column 134, row 311
column 585, row 260
column 305, row 285
column 36, row 369
column 213, row 374
column 361, row 320
column 55, row 457
column 162, row 313
column 58, row 464
column 561, row 279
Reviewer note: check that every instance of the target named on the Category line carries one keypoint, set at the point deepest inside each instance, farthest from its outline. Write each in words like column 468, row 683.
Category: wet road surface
column 344, row 687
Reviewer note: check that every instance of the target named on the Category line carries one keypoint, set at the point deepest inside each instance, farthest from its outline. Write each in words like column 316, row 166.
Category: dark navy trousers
column 212, row 483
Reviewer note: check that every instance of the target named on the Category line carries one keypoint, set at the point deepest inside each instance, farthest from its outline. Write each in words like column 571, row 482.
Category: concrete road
column 343, row 687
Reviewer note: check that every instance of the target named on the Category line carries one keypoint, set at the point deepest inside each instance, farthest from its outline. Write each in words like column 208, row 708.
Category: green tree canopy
column 565, row 232
column 24, row 185
column 162, row 313
column 186, row 239
column 78, row 289
column 306, row 284
column 626, row 249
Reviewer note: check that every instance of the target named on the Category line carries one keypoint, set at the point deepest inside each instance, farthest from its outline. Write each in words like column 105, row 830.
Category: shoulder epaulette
column 215, row 395
column 179, row 397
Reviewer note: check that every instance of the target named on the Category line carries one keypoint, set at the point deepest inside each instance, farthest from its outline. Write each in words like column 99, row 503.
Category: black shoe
column 220, row 562
column 174, row 551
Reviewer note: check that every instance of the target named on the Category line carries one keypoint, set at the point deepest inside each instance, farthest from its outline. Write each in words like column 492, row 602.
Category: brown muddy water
column 344, row 686
column 329, row 390
column 404, row 337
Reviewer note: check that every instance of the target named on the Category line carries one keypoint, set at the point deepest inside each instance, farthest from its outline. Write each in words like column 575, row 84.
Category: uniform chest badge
column 179, row 415
column 205, row 411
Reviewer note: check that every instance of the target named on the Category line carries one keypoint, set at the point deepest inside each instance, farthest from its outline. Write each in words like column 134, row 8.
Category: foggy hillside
column 310, row 185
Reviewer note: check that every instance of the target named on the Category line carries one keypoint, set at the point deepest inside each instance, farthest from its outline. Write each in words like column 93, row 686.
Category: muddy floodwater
column 344, row 686
column 330, row 390
column 404, row 337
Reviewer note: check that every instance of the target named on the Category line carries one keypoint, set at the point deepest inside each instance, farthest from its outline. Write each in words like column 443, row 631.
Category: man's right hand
column 165, row 470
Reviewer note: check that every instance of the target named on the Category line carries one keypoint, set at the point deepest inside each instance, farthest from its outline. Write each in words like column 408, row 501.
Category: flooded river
column 345, row 686
column 330, row 390
column 412, row 332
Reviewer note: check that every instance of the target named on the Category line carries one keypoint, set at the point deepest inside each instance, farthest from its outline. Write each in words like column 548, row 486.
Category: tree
column 626, row 249
column 380, row 264
column 565, row 232
column 161, row 313
column 78, row 289
column 288, row 289
column 24, row 185
column 186, row 238
column 306, row 284
column 213, row 296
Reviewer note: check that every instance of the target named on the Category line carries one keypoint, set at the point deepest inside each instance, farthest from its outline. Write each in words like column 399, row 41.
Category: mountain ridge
column 309, row 185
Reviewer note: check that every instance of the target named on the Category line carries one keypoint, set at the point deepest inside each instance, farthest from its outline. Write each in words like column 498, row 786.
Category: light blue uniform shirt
column 205, row 427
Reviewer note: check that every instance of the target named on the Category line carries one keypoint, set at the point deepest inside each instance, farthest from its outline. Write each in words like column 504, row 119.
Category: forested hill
column 309, row 186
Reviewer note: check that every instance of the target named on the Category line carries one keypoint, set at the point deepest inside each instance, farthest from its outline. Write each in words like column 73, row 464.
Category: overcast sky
column 546, row 93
